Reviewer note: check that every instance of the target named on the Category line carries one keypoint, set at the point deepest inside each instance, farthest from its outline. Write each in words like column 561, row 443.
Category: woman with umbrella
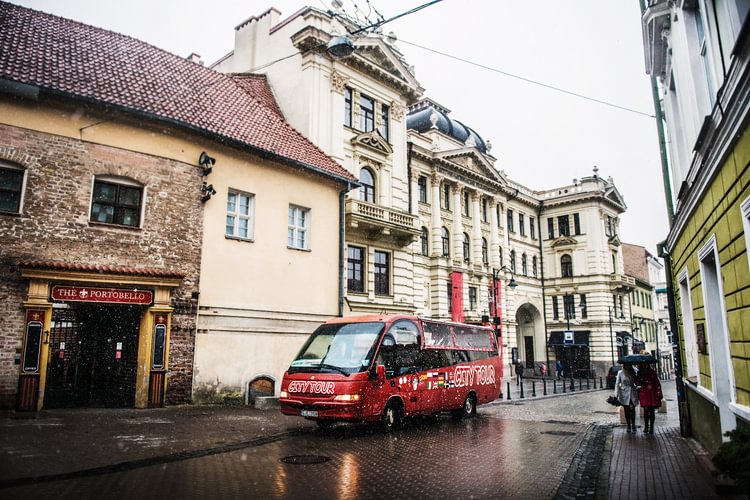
column 627, row 393
column 649, row 394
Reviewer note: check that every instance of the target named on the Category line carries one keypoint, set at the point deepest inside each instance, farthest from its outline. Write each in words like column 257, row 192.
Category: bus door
column 399, row 352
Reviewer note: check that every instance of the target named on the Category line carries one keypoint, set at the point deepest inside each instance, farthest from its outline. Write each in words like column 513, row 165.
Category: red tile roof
column 75, row 60
column 67, row 266
column 258, row 87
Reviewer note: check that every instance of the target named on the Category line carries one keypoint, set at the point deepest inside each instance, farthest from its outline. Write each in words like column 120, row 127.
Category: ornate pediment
column 562, row 241
column 373, row 140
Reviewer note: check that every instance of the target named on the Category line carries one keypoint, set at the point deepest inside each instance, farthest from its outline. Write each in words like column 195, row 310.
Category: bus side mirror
column 380, row 374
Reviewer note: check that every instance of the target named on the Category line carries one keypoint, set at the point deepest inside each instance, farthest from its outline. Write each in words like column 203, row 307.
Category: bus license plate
column 309, row 413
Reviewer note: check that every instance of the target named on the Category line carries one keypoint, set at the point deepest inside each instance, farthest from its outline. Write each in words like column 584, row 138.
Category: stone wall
column 54, row 225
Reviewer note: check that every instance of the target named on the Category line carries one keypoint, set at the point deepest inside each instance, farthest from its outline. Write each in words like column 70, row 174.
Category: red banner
column 108, row 295
column 457, row 297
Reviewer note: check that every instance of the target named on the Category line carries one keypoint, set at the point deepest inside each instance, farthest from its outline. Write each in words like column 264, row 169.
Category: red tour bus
column 384, row 368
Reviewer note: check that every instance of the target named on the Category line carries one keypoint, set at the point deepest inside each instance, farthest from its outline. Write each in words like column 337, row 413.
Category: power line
column 528, row 80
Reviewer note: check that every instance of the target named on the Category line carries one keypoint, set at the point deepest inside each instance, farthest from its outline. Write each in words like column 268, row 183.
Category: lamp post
column 512, row 284
column 495, row 306
column 611, row 335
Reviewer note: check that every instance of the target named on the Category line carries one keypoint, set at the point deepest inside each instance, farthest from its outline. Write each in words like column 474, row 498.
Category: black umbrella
column 638, row 358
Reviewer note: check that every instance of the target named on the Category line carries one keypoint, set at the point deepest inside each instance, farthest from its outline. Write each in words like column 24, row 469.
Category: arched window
column 466, row 248
column 513, row 261
column 424, row 240
column 485, row 256
column 446, row 238
column 367, row 191
column 524, row 267
column 534, row 266
column 260, row 387
column 566, row 266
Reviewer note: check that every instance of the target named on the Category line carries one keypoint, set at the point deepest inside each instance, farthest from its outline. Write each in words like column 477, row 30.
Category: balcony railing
column 622, row 282
column 377, row 221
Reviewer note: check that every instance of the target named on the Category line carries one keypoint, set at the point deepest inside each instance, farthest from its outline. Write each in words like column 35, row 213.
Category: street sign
column 568, row 338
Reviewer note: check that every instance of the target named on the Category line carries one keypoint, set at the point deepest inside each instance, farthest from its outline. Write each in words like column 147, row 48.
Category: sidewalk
column 69, row 443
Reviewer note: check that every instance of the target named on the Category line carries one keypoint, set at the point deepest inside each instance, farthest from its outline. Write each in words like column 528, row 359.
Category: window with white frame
column 11, row 188
column 366, row 114
column 381, row 267
column 299, row 228
column 116, row 200
column 688, row 328
column 422, row 186
column 745, row 209
column 240, row 215
column 367, row 190
column 472, row 298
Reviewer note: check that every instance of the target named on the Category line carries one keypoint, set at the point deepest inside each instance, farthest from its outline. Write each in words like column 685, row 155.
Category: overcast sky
column 541, row 138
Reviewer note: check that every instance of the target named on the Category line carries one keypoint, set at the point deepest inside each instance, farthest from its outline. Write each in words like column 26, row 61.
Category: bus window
column 432, row 359
column 338, row 347
column 437, row 335
column 467, row 338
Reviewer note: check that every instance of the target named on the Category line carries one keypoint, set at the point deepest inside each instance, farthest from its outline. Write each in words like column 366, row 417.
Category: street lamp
column 611, row 334
column 511, row 284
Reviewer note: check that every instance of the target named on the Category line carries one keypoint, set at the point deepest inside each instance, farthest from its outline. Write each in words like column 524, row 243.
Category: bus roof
column 388, row 318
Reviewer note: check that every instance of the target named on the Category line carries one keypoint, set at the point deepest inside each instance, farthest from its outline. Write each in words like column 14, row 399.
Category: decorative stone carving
column 434, row 119
column 338, row 82
column 374, row 141
column 564, row 241
column 397, row 111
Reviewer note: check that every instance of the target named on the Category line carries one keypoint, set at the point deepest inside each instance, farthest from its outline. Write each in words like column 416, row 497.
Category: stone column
column 476, row 233
column 458, row 226
column 494, row 236
column 437, row 225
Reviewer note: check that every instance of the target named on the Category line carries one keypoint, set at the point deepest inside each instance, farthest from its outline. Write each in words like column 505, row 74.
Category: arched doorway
column 530, row 337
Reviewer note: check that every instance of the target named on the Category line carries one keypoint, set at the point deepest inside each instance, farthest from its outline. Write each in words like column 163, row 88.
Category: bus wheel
column 391, row 416
column 469, row 409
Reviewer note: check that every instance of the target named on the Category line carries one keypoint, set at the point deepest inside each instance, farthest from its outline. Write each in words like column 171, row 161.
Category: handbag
column 614, row 401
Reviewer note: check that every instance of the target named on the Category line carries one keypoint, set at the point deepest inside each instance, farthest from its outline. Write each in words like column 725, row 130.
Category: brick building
column 104, row 186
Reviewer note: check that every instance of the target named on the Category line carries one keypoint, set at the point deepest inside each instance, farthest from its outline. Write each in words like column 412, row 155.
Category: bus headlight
column 347, row 397
column 283, row 395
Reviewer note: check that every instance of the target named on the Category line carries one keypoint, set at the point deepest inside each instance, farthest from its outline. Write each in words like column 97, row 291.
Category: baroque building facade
column 435, row 223
column 698, row 55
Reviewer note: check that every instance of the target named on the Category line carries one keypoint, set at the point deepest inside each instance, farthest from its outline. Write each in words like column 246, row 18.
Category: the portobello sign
column 108, row 295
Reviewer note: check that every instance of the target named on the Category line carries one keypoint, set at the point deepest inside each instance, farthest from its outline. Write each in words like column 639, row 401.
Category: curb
column 723, row 485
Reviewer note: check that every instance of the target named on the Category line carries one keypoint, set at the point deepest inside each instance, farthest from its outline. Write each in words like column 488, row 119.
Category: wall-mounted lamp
column 340, row 46
column 206, row 162
column 208, row 191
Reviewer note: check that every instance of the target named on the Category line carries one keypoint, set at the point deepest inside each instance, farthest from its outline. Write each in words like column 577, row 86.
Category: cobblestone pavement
column 562, row 447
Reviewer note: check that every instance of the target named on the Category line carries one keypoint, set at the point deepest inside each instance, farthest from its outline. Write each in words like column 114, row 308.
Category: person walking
column 519, row 372
column 559, row 368
column 649, row 395
column 627, row 393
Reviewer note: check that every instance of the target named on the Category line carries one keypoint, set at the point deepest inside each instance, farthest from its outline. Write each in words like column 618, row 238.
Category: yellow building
column 699, row 54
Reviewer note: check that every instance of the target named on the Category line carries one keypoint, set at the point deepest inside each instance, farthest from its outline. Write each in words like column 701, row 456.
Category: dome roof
column 424, row 114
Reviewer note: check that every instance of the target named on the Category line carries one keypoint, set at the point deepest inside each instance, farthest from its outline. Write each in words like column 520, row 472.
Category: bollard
column 588, row 383
column 563, row 385
column 572, row 384
column 554, row 386
column 508, row 390
column 533, row 388
column 600, row 383
column 522, row 392
column 544, row 386
column 580, row 384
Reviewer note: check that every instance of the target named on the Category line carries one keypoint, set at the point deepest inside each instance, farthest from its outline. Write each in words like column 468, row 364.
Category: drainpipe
column 682, row 407
column 408, row 175
column 342, row 245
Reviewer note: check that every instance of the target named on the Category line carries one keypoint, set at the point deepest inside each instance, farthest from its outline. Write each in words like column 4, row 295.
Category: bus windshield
column 340, row 347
